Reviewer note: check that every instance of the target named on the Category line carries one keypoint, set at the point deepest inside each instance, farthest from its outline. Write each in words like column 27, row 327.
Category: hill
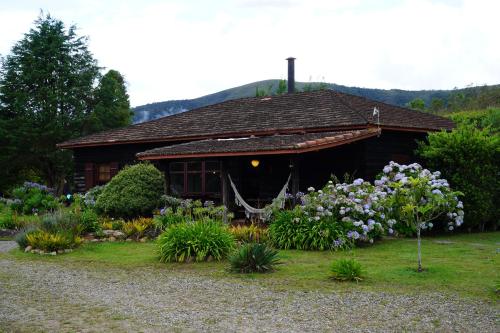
column 393, row 96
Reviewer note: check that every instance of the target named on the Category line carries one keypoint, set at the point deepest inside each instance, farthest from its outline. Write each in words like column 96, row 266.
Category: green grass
column 467, row 265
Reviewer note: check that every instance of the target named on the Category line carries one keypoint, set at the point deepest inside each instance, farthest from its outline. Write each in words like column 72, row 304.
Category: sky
column 185, row 48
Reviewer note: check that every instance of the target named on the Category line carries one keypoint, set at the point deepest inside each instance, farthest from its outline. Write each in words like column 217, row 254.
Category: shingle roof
column 306, row 111
column 294, row 143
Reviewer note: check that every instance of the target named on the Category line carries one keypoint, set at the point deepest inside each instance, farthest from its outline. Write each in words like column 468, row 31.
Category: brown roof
column 323, row 110
column 274, row 144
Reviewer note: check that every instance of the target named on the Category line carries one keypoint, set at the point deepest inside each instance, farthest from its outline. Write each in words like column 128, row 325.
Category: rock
column 68, row 250
column 53, row 253
column 41, row 251
column 28, row 248
column 143, row 240
column 60, row 251
column 34, row 251
column 108, row 232
column 94, row 240
column 112, row 239
column 119, row 234
column 128, row 240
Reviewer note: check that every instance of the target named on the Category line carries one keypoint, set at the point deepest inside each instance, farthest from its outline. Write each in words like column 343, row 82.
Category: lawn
column 460, row 264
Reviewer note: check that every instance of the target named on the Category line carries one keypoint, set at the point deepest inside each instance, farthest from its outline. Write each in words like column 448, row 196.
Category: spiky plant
column 347, row 270
column 254, row 257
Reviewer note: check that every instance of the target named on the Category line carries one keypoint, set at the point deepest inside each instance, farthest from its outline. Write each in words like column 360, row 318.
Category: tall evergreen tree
column 112, row 106
column 46, row 94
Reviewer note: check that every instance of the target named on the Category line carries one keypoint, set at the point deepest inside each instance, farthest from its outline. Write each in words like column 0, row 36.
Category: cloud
column 184, row 49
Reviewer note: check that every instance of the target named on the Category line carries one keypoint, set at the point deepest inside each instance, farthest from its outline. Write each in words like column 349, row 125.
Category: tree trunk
column 419, row 252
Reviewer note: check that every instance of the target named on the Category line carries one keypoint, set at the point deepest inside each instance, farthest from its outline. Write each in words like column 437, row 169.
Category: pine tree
column 46, row 95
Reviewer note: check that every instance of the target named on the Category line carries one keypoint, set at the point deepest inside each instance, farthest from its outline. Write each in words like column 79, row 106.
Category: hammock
column 259, row 213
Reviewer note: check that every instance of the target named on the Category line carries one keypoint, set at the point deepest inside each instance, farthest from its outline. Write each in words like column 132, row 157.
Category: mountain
column 393, row 96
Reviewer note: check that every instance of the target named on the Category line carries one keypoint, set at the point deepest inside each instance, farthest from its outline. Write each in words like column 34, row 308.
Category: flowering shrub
column 90, row 198
column 341, row 215
column 32, row 198
column 417, row 197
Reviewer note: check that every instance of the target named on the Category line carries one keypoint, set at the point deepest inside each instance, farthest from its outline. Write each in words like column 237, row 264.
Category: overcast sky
column 185, row 49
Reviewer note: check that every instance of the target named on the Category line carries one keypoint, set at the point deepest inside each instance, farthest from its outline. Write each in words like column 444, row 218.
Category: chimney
column 291, row 75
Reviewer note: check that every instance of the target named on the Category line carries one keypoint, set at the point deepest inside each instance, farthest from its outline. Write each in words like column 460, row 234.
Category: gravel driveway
column 45, row 296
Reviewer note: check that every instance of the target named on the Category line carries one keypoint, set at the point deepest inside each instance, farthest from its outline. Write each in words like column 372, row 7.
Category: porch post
column 295, row 177
column 166, row 172
column 224, row 184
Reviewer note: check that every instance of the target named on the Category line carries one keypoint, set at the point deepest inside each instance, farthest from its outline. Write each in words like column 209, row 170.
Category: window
column 195, row 178
column 103, row 173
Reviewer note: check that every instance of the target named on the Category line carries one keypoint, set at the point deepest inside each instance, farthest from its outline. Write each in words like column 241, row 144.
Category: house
column 259, row 143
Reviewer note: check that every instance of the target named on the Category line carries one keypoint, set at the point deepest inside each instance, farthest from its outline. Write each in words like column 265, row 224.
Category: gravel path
column 6, row 246
column 44, row 296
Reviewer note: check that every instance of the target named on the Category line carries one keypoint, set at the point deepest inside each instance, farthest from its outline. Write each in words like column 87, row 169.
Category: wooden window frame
column 202, row 172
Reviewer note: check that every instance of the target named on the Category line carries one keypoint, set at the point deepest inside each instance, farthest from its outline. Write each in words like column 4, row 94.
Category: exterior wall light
column 255, row 163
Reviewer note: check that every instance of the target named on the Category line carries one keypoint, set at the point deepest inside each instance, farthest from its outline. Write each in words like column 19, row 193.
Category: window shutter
column 89, row 176
column 113, row 168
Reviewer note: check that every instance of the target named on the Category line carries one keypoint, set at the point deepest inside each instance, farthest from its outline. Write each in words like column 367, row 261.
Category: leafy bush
column 470, row 159
column 7, row 220
column 482, row 119
column 46, row 241
column 347, row 270
column 135, row 191
column 249, row 233
column 33, row 198
column 196, row 241
column 254, row 257
column 89, row 220
column 20, row 238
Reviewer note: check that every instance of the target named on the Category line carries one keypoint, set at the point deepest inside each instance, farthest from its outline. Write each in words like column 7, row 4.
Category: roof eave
column 291, row 150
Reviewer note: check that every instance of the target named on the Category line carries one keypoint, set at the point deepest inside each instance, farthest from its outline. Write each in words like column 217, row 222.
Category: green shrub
column 197, row 241
column 134, row 191
column 489, row 118
column 291, row 229
column 347, row 270
column 89, row 220
column 249, row 233
column 20, row 238
column 7, row 220
column 469, row 159
column 254, row 257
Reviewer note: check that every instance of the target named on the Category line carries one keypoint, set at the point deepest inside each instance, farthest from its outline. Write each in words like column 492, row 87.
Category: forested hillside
column 393, row 96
